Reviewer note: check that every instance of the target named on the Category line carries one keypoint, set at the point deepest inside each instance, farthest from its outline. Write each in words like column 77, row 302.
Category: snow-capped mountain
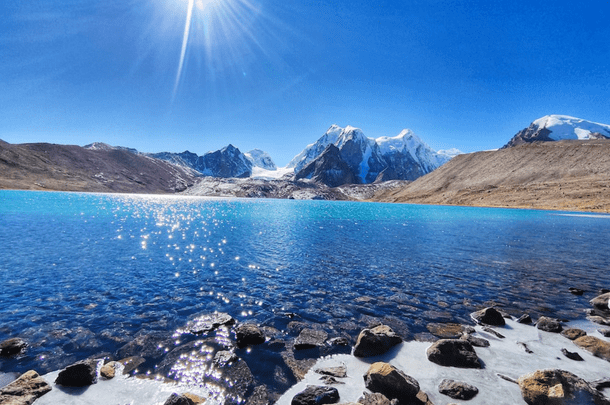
column 559, row 127
column 260, row 159
column 226, row 162
column 404, row 157
column 106, row 147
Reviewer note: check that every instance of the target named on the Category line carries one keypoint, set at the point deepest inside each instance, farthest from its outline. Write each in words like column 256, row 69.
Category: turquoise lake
column 84, row 274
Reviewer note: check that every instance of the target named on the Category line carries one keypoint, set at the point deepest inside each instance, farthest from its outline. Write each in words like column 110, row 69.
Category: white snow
column 260, row 159
column 504, row 356
column 260, row 173
column 566, row 127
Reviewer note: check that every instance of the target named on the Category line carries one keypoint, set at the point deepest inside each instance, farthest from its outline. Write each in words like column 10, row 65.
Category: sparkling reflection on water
column 86, row 274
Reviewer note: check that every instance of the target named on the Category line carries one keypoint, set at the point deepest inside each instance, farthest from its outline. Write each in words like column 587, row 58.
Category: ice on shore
column 504, row 356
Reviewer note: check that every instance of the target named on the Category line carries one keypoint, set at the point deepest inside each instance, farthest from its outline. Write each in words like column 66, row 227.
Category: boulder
column 12, row 347
column 446, row 330
column 391, row 382
column 108, row 370
column 247, row 334
column 475, row 341
column 525, row 319
column 573, row 333
column 558, row 387
column 339, row 371
column 81, row 374
column 24, row 390
column 600, row 303
column 457, row 389
column 310, row 338
column 489, row 316
column 376, row 341
column 176, row 399
column 453, row 353
column 597, row 347
column 314, row 395
column 376, row 399
column 549, row 325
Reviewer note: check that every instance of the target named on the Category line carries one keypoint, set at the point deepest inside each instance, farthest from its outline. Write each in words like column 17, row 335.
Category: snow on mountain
column 260, row 159
column 106, row 147
column 560, row 127
column 226, row 162
column 404, row 156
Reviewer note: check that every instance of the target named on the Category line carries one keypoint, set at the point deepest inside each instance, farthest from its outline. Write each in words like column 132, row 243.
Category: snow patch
column 566, row 127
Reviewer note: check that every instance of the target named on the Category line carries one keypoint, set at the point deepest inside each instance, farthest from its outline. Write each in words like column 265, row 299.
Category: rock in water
column 391, row 382
column 310, row 338
column 376, row 341
column 206, row 323
column 597, row 347
column 79, row 374
column 573, row 333
column 176, row 399
column 558, row 387
column 457, row 389
column 489, row 316
column 313, row 395
column 12, row 347
column 549, row 325
column 453, row 353
column 24, row 390
column 576, row 291
column 248, row 334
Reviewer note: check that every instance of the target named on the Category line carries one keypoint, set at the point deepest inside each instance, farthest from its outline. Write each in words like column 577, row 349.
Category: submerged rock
column 457, row 389
column 549, row 325
column 81, row 374
column 391, row 382
column 209, row 322
column 489, row 316
column 376, row 341
column 573, row 333
column 314, row 395
column 248, row 334
column 12, row 347
column 576, row 291
column 544, row 387
column 453, row 353
column 597, row 347
column 310, row 338
column 24, row 390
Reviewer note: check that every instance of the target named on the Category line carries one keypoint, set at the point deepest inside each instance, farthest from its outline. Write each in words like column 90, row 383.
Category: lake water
column 85, row 274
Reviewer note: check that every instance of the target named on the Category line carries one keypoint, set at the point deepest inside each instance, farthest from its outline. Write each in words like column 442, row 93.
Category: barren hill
column 41, row 166
column 564, row 175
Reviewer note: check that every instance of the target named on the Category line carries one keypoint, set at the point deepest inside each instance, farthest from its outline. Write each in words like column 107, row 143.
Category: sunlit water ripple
column 83, row 274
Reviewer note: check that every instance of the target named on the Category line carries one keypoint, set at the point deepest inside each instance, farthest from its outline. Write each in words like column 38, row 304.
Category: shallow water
column 83, row 274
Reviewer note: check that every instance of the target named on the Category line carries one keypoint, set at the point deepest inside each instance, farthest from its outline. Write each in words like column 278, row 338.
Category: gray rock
column 391, row 382
column 81, row 374
column 131, row 363
column 489, row 316
column 260, row 396
column 576, row 291
column 330, row 380
column 549, row 325
column 376, row 399
column 601, row 383
column 573, row 333
column 310, row 338
column 493, row 332
column 453, row 353
column 247, row 334
column 457, row 389
column 525, row 319
column 176, row 399
column 571, row 355
column 475, row 341
column 376, row 341
column 24, row 390
column 12, row 347
column 338, row 341
column 604, row 332
column 555, row 387
column 224, row 357
column 209, row 322
column 339, row 371
column 314, row 395
column 600, row 303
column 446, row 330
column 595, row 346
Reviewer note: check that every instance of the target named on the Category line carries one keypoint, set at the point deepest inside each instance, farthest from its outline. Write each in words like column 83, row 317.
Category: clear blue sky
column 275, row 74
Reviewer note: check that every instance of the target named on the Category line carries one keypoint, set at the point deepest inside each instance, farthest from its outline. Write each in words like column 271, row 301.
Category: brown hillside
column 42, row 166
column 566, row 175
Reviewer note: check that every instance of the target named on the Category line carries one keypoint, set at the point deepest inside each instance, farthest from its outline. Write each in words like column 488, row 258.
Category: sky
column 175, row 75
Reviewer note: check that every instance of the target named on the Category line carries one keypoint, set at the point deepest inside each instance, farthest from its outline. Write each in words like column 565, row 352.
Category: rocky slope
column 559, row 127
column 564, row 175
column 43, row 166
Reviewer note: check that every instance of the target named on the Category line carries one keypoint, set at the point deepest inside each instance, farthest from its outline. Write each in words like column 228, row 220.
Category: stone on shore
column 176, row 399
column 604, row 332
column 131, row 363
column 571, row 355
column 600, row 303
column 457, row 389
column 376, row 398
column 558, row 387
column 446, row 330
column 549, row 325
column 453, row 353
column 391, row 382
column 81, row 374
column 108, row 370
column 489, row 316
column 12, row 347
column 597, row 347
column 310, row 338
column 475, row 341
column 525, row 319
column 376, row 341
column 314, row 395
column 248, row 334
column 573, row 333
column 24, row 390
column 339, row 371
